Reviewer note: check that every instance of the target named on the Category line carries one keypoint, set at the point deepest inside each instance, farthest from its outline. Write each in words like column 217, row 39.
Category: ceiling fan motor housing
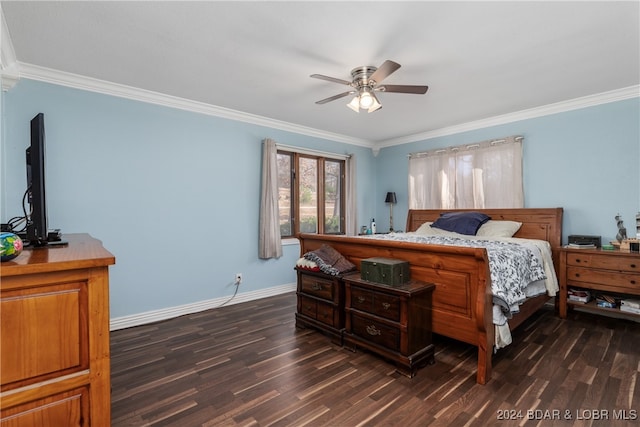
column 361, row 76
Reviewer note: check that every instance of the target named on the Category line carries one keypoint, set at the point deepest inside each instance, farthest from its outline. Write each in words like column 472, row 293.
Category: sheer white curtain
column 351, row 218
column 483, row 175
column 270, row 243
column 430, row 185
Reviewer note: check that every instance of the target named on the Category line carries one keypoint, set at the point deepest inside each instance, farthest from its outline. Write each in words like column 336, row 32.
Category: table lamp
column 391, row 199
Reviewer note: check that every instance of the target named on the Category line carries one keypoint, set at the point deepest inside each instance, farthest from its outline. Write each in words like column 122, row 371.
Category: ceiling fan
column 366, row 81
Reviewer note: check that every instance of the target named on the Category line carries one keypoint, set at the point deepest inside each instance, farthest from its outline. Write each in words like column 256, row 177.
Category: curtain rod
column 468, row 146
column 312, row 152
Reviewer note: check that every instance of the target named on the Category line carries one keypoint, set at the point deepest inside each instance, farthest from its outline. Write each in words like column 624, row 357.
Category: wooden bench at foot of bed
column 462, row 303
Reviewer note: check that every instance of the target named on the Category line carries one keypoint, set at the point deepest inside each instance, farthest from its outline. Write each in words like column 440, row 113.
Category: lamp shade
column 391, row 198
column 365, row 99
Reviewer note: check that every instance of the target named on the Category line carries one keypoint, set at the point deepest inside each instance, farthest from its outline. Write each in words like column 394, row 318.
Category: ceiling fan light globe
column 366, row 101
column 354, row 104
column 375, row 107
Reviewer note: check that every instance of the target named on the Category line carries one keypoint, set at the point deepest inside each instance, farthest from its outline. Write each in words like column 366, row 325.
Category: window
column 310, row 194
column 483, row 175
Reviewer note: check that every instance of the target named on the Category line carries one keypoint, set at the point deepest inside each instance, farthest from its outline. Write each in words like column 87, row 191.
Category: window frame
column 294, row 210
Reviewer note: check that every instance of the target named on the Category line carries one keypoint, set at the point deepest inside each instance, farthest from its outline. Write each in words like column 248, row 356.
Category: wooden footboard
column 462, row 303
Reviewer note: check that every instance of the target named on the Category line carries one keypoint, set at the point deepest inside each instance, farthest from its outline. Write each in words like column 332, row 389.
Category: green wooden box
column 388, row 271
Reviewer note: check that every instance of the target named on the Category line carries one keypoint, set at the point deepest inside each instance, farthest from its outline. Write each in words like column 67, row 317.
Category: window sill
column 290, row 241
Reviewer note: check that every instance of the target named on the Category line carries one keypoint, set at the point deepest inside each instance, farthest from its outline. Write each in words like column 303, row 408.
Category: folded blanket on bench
column 306, row 264
column 330, row 261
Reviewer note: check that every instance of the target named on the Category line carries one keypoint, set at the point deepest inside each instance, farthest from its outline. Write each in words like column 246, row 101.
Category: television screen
column 37, row 218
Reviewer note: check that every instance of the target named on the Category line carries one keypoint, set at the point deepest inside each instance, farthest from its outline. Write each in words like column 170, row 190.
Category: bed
column 462, row 300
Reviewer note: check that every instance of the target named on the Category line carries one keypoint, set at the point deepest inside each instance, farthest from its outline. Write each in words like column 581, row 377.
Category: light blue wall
column 174, row 195
column 586, row 161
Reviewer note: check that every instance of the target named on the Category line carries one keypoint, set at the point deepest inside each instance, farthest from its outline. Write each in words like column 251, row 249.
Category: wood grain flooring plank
column 247, row 365
column 307, row 418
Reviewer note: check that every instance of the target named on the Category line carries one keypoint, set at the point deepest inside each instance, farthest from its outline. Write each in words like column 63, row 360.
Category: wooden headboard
column 541, row 224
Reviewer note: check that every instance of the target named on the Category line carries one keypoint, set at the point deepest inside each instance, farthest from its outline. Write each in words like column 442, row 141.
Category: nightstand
column 320, row 303
column 610, row 272
column 391, row 321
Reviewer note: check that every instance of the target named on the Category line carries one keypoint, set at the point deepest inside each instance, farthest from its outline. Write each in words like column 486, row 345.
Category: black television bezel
column 37, row 231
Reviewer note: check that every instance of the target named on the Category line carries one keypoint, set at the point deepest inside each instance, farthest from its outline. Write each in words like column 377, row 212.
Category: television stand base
column 55, row 244
column 54, row 239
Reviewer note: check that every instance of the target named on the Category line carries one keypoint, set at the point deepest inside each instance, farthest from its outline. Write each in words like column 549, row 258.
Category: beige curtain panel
column 269, row 244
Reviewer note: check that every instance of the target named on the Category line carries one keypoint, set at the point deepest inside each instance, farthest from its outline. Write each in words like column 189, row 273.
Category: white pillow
column 427, row 230
column 424, row 228
column 498, row 228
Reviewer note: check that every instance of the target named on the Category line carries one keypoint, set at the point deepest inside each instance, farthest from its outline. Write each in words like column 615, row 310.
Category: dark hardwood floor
column 247, row 365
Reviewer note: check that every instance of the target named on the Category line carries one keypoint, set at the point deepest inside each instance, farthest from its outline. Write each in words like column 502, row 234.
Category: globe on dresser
column 10, row 246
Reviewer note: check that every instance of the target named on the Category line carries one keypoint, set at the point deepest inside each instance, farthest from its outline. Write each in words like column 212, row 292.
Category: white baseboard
column 171, row 312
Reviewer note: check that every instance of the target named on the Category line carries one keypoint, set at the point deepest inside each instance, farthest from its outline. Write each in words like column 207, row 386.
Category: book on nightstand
column 578, row 295
column 581, row 246
column 607, row 301
column 630, row 305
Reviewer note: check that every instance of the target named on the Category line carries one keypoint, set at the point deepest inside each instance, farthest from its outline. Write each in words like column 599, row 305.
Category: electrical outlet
column 238, row 278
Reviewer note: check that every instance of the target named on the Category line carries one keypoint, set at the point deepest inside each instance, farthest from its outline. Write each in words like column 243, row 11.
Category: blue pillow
column 461, row 222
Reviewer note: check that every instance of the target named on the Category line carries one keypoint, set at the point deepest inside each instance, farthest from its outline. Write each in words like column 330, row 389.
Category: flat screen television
column 37, row 233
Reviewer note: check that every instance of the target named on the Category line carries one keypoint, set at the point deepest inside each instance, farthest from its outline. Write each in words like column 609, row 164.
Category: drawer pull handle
column 386, row 305
column 633, row 266
column 578, row 260
column 633, row 282
column 361, row 299
column 577, row 274
column 372, row 330
column 317, row 286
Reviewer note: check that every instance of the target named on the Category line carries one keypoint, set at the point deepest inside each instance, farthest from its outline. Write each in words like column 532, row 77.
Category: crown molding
column 8, row 55
column 48, row 75
column 9, row 76
column 34, row 72
column 545, row 110
column 9, row 72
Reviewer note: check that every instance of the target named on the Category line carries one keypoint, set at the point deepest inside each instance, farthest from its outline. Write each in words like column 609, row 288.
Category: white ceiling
column 479, row 59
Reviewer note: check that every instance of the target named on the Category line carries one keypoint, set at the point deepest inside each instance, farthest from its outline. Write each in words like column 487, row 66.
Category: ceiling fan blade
column 403, row 89
column 334, row 97
column 330, row 79
column 384, row 71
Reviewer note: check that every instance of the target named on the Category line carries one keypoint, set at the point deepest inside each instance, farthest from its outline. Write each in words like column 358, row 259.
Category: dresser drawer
column 317, row 286
column 387, row 306
column 307, row 306
column 375, row 332
column 604, row 277
column 325, row 313
column 619, row 263
column 383, row 305
column 361, row 299
column 318, row 310
column 39, row 318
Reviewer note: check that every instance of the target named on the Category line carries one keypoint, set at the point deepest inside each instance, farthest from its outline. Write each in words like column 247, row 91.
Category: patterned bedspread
column 512, row 266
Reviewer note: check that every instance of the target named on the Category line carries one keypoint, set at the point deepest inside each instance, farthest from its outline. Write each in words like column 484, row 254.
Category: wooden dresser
column 391, row 321
column 320, row 303
column 608, row 272
column 54, row 336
